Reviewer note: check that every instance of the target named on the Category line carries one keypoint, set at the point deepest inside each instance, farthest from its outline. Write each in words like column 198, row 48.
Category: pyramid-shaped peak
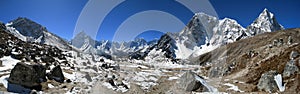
column 266, row 13
column 24, row 20
column 266, row 10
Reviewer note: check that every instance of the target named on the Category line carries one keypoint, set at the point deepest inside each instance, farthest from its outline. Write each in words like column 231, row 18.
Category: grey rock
column 88, row 77
column 56, row 74
column 47, row 59
column 95, row 68
column 267, row 82
column 290, row 69
column 221, row 70
column 280, row 42
column 275, row 42
column 290, row 40
column 18, row 56
column 188, row 82
column 29, row 76
column 293, row 55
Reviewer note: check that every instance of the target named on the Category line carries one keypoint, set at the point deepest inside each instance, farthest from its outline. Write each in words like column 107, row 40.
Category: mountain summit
column 30, row 31
column 27, row 27
column 266, row 22
column 205, row 33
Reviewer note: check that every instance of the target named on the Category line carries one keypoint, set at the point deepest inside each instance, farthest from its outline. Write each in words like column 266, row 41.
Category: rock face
column 290, row 69
column 56, row 74
column 2, row 26
column 188, row 82
column 29, row 76
column 267, row 82
column 166, row 43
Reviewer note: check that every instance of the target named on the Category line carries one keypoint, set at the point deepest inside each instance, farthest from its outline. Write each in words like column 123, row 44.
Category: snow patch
column 278, row 80
column 4, row 81
column 233, row 87
column 203, row 82
column 8, row 63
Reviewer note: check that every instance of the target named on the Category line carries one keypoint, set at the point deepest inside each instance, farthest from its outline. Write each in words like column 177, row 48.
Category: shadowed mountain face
column 28, row 28
column 30, row 31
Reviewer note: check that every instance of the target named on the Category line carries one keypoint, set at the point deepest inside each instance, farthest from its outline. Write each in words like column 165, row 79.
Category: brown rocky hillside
column 244, row 62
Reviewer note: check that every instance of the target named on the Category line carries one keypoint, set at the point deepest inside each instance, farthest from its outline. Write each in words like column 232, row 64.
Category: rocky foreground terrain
column 208, row 56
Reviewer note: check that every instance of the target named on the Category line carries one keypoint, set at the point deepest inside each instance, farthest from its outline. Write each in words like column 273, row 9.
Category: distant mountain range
column 202, row 34
column 205, row 33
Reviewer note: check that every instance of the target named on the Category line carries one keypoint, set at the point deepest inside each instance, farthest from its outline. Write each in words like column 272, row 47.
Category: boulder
column 290, row 40
column 290, row 69
column 7, row 52
column 111, row 82
column 188, row 82
column 280, row 42
column 47, row 59
column 18, row 56
column 56, row 74
column 88, row 77
column 1, row 53
column 29, row 76
column 267, row 82
column 293, row 55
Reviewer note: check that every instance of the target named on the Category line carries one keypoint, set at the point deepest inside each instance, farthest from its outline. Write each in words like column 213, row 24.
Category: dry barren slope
column 246, row 60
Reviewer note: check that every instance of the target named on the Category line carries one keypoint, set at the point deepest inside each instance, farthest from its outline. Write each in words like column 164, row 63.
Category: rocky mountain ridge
column 30, row 31
column 205, row 33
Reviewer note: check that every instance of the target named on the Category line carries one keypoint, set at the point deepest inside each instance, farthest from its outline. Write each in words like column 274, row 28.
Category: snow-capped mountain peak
column 30, row 31
column 266, row 22
column 27, row 27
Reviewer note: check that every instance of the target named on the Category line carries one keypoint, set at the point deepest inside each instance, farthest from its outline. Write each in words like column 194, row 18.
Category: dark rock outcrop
column 29, row 76
column 166, row 43
column 47, row 59
column 2, row 26
column 56, row 74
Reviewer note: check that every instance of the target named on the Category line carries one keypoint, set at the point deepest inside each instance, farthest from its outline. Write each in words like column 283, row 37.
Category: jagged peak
column 265, row 10
column 203, row 14
column 82, row 33
column 228, row 20
column 25, row 20
column 266, row 14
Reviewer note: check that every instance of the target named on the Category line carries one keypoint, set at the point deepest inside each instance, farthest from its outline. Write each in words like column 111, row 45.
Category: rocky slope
column 28, row 66
column 252, row 64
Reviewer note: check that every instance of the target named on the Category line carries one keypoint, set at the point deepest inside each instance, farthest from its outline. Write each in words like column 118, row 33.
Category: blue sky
column 60, row 16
